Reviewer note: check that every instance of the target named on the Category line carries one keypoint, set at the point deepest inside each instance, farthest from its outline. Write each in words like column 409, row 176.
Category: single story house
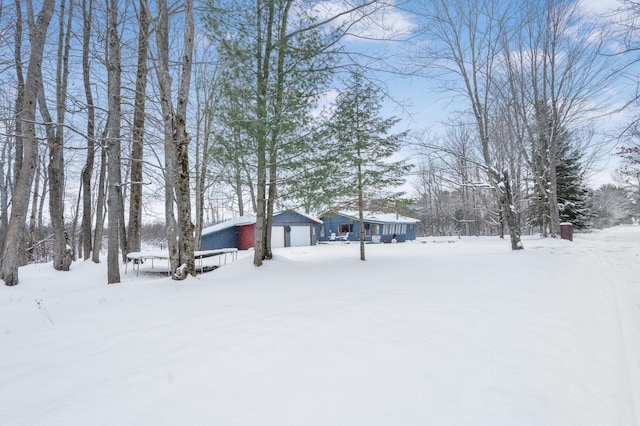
column 378, row 227
column 289, row 229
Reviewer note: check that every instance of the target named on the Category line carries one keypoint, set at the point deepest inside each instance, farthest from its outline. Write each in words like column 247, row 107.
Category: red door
column 246, row 237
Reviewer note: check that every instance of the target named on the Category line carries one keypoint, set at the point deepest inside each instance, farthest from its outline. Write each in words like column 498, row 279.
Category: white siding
column 277, row 236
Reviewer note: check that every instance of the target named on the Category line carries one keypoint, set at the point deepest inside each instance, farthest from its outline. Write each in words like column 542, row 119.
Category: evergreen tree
column 280, row 60
column 314, row 181
column 571, row 189
column 573, row 194
column 365, row 147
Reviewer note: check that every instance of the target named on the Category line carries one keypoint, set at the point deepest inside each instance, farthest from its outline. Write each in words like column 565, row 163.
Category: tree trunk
column 506, row 199
column 87, row 171
column 42, row 171
column 261, row 204
column 55, row 170
column 237, row 186
column 20, row 89
column 262, row 77
column 274, row 123
column 61, row 252
column 137, row 149
column 185, row 236
column 554, row 210
column 360, row 209
column 19, row 106
column 177, row 173
column 17, row 223
column 74, row 225
column 33, row 241
column 183, row 140
column 164, row 82
column 100, row 204
column 271, row 200
column 113, row 145
column 4, row 192
column 199, row 213
column 169, row 194
column 122, row 229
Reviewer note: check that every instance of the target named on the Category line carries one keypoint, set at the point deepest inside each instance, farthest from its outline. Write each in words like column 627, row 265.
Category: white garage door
column 277, row 236
column 300, row 236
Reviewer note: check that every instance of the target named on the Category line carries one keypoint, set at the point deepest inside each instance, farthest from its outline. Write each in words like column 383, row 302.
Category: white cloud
column 375, row 22
column 325, row 104
column 599, row 7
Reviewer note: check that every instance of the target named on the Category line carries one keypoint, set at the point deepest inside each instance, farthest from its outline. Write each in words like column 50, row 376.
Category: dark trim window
column 343, row 228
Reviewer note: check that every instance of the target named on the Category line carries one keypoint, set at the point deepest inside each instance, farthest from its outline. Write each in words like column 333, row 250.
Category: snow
column 248, row 220
column 238, row 221
column 379, row 217
column 442, row 331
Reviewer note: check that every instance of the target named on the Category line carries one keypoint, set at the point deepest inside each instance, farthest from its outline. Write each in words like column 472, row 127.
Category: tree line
column 114, row 110
column 535, row 77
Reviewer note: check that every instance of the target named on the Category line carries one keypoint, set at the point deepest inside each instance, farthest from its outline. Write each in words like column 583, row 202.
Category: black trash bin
column 566, row 231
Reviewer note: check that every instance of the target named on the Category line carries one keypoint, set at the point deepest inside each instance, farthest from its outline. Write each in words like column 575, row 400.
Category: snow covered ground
column 442, row 332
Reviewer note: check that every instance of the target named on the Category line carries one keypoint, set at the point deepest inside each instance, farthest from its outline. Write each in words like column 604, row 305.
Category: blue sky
column 422, row 105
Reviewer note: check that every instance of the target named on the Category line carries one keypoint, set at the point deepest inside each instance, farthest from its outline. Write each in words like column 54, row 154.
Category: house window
column 343, row 228
column 375, row 229
column 367, row 229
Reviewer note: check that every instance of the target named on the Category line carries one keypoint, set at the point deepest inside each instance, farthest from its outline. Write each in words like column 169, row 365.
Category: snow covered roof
column 379, row 217
column 238, row 221
column 247, row 220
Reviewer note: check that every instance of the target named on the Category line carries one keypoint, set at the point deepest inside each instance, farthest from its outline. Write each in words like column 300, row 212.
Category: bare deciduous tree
column 177, row 173
column 137, row 149
column 549, row 85
column 87, row 171
column 100, row 201
column 61, row 251
column 26, row 116
column 465, row 40
column 113, row 144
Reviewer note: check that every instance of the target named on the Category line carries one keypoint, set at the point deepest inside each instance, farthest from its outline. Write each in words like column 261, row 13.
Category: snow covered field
column 442, row 332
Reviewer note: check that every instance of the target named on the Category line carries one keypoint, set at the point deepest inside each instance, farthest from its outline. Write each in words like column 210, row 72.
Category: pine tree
column 365, row 147
column 573, row 193
column 281, row 60
column 314, row 181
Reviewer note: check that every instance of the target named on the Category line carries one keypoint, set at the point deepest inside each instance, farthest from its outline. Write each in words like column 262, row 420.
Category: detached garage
column 294, row 229
column 289, row 229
